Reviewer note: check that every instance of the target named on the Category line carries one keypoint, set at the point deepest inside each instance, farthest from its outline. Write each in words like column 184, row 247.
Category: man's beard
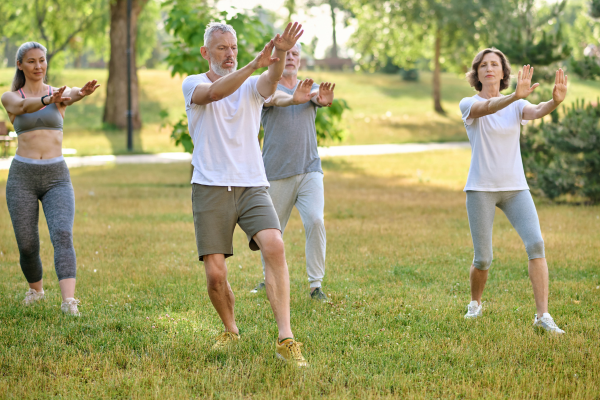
column 217, row 69
column 290, row 72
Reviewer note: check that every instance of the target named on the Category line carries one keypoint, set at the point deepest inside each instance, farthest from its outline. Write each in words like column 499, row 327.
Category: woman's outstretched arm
column 77, row 94
column 524, row 89
column 531, row 112
column 16, row 105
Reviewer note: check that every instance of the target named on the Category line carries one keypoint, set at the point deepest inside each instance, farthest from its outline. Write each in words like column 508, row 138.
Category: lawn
column 385, row 109
column 397, row 273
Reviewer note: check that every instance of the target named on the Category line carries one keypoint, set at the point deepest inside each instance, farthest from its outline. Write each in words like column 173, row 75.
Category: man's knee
column 313, row 222
column 216, row 270
column 535, row 249
column 273, row 247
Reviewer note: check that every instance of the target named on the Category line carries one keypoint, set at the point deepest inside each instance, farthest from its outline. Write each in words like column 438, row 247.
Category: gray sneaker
column 547, row 323
column 473, row 310
column 260, row 287
column 318, row 294
column 31, row 296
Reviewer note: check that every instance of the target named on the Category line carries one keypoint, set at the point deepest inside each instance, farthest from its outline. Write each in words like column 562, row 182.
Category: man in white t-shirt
column 229, row 182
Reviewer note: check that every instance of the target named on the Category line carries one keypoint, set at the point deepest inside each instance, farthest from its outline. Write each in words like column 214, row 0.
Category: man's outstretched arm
column 267, row 83
column 324, row 97
column 206, row 93
column 301, row 95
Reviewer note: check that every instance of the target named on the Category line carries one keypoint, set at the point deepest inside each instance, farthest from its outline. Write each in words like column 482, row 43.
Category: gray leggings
column 519, row 209
column 49, row 183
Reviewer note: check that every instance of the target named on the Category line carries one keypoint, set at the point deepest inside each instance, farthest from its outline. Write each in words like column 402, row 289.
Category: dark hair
column 473, row 77
column 19, row 78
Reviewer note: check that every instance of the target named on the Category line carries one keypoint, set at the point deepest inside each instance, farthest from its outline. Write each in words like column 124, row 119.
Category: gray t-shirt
column 290, row 145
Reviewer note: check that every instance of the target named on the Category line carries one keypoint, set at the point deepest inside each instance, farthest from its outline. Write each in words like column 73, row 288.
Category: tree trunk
column 334, row 48
column 115, row 108
column 437, row 96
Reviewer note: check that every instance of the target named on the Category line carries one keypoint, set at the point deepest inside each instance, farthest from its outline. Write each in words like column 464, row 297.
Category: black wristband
column 43, row 97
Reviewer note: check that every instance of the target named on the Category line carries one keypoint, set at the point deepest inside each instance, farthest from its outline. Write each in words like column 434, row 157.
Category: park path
column 334, row 151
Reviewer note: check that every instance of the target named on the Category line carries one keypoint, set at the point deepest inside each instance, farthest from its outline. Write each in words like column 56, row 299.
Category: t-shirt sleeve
column 188, row 87
column 465, row 109
column 520, row 105
column 253, row 81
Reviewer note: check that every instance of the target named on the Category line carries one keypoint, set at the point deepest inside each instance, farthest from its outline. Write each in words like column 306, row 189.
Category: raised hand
column 290, row 36
column 264, row 59
column 302, row 93
column 560, row 86
column 88, row 88
column 524, row 87
column 56, row 97
column 325, row 96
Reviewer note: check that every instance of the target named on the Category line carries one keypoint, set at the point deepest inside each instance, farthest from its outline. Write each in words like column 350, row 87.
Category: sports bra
column 47, row 118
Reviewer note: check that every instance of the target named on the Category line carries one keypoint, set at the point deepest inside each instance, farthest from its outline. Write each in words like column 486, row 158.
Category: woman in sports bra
column 39, row 173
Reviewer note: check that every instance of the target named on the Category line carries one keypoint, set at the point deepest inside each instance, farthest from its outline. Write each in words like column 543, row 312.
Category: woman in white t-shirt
column 496, row 177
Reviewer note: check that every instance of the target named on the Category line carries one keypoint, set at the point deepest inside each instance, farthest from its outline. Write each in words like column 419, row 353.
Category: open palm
column 560, row 86
column 524, row 87
column 325, row 96
column 264, row 59
column 290, row 36
column 57, row 97
column 88, row 88
column 302, row 93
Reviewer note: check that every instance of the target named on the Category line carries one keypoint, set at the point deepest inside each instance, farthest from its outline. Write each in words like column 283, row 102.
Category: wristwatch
column 43, row 97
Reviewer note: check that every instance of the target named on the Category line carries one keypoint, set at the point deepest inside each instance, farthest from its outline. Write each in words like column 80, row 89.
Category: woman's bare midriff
column 41, row 144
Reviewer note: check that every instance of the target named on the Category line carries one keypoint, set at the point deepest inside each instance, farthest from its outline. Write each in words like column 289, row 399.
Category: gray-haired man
column 292, row 161
column 229, row 182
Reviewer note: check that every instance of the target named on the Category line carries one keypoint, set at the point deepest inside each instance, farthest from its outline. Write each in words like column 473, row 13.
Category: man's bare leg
column 277, row 279
column 478, row 279
column 219, row 291
column 538, row 274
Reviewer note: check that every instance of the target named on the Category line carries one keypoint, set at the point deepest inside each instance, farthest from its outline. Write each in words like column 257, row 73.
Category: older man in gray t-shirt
column 292, row 162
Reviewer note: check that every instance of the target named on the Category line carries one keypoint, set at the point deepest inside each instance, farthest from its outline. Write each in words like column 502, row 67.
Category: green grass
column 397, row 272
column 385, row 109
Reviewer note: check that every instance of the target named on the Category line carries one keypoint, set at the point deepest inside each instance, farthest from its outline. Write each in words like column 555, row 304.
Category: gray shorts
column 218, row 208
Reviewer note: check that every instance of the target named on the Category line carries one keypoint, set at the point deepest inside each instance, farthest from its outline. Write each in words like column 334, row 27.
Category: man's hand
column 88, row 88
column 325, row 96
column 302, row 92
column 560, row 87
column 264, row 59
column 290, row 36
column 524, row 87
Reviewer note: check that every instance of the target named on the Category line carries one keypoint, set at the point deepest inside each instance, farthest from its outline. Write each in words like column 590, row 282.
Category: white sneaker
column 547, row 323
column 69, row 307
column 473, row 310
column 32, row 296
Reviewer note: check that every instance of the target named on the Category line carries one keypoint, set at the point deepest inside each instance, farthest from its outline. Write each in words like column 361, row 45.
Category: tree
column 445, row 31
column 115, row 108
column 335, row 7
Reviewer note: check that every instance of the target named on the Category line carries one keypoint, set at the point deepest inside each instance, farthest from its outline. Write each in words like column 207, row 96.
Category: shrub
column 563, row 156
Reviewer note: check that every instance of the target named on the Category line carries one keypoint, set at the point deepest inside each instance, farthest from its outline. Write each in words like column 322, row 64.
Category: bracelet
column 43, row 97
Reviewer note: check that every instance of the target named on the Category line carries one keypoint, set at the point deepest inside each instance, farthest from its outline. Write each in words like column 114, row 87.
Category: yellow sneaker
column 224, row 339
column 289, row 351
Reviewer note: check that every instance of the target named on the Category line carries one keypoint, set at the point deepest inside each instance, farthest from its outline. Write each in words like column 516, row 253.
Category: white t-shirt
column 496, row 163
column 225, row 136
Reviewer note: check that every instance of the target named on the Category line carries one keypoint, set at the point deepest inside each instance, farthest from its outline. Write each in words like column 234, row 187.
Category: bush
column 563, row 156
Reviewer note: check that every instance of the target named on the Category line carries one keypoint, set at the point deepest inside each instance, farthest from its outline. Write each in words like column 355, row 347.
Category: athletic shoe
column 224, row 339
column 547, row 323
column 261, row 286
column 69, row 307
column 289, row 351
column 32, row 295
column 318, row 294
column 473, row 310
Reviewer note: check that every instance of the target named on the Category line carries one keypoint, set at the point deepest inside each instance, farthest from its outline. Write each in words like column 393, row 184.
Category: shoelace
column 549, row 321
column 295, row 349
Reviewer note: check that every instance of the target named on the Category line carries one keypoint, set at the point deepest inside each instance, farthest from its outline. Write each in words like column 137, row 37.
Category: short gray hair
column 217, row 26
column 299, row 46
column 19, row 78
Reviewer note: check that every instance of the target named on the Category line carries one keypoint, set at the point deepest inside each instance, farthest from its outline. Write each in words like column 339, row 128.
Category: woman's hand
column 524, row 87
column 325, row 96
column 302, row 93
column 56, row 97
column 560, row 87
column 88, row 88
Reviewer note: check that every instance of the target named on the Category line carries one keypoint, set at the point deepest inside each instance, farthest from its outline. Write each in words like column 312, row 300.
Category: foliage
column 329, row 121
column 584, row 36
column 586, row 68
column 181, row 135
column 563, row 156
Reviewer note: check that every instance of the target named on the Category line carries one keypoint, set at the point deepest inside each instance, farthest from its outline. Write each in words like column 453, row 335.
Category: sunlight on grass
column 397, row 273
